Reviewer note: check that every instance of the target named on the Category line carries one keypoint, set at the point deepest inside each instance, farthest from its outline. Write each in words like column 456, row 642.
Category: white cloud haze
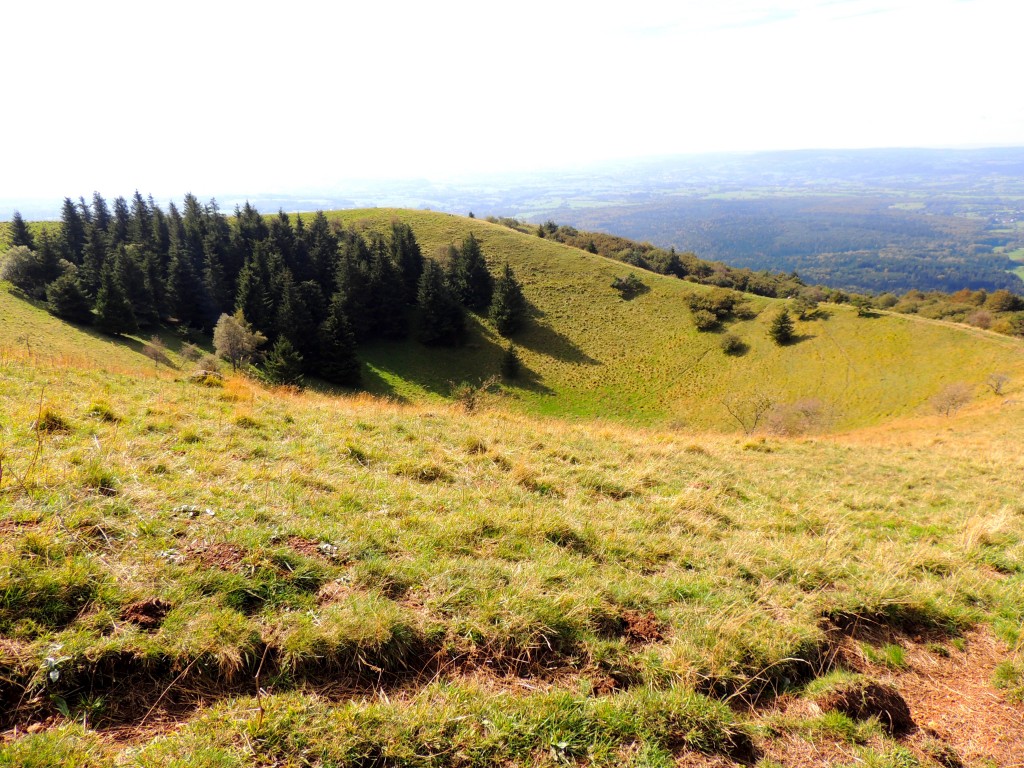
column 251, row 97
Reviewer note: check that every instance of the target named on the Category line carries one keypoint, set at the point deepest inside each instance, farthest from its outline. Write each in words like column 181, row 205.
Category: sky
column 221, row 96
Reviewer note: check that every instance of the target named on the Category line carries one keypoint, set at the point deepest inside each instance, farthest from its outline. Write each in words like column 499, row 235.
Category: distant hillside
column 589, row 352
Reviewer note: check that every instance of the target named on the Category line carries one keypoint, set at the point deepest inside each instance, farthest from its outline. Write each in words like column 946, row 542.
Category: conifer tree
column 352, row 279
column 511, row 365
column 140, row 224
column 468, row 275
column 94, row 255
column 66, row 300
column 322, row 250
column 117, row 230
column 72, row 232
column 134, row 278
column 114, row 313
column 408, row 258
column 442, row 320
column 284, row 363
column 100, row 212
column 19, row 234
column 386, row 305
column 255, row 299
column 338, row 361
column 781, row 328
column 508, row 307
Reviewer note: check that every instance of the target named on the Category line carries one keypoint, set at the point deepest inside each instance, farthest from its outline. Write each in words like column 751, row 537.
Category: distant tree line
column 313, row 291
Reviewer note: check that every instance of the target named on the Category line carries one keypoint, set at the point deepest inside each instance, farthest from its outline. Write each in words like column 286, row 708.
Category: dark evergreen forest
column 314, row 290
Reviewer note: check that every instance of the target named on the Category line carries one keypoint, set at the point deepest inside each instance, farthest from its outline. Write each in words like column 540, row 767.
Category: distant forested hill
column 859, row 244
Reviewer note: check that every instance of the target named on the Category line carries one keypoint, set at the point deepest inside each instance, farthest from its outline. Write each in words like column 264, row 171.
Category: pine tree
column 117, row 230
column 255, row 299
column 338, row 361
column 468, row 275
column 781, row 328
column 66, row 300
column 19, row 234
column 72, row 232
column 322, row 251
column 408, row 257
column 284, row 363
column 511, row 365
column 100, row 212
column 386, row 305
column 135, row 280
column 442, row 320
column 114, row 313
column 508, row 308
column 140, row 224
column 352, row 279
column 94, row 255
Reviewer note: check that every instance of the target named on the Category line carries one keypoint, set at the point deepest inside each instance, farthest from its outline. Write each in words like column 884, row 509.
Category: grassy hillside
column 593, row 354
column 230, row 576
column 590, row 353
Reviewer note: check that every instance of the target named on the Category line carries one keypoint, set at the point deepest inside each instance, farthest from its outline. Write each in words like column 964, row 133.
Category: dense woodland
column 311, row 293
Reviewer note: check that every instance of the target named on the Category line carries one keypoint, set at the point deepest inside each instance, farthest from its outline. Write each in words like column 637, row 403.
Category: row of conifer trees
column 314, row 289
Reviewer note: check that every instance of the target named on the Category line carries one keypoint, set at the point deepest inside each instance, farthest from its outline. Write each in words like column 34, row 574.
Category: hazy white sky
column 254, row 97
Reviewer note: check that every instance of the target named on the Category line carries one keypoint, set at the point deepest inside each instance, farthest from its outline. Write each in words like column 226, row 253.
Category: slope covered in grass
column 413, row 585
column 591, row 353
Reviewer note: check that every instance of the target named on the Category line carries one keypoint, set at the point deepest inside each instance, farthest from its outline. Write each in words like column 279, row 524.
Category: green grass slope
column 590, row 353
column 298, row 579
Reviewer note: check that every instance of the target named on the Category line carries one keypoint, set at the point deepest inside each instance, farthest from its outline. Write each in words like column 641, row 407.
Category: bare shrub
column 156, row 350
column 997, row 383
column 191, row 352
column 748, row 409
column 797, row 418
column 468, row 396
column 208, row 363
column 981, row 318
column 952, row 398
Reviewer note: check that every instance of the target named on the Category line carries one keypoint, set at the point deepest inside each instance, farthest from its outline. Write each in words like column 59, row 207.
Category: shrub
column 718, row 301
column 191, row 352
column 797, row 418
column 980, row 319
column 705, row 320
column 952, row 398
column 156, row 351
column 103, row 412
column 28, row 270
column 208, row 363
column 629, row 286
column 732, row 344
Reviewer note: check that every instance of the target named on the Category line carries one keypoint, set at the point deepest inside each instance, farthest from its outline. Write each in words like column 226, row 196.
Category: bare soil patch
column 147, row 614
column 223, row 555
